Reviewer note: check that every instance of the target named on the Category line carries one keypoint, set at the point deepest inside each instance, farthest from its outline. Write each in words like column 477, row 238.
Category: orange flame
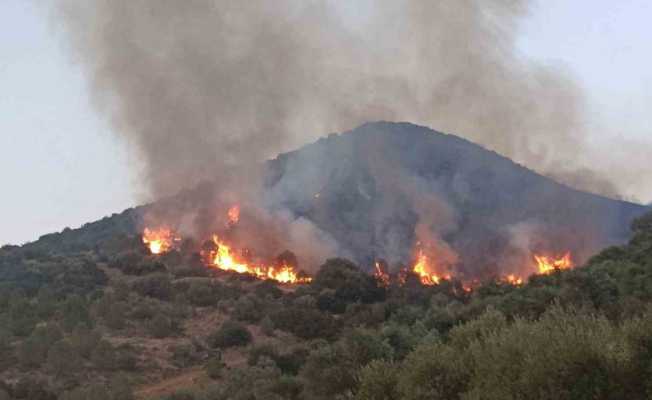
column 224, row 259
column 513, row 279
column 159, row 240
column 381, row 275
column 234, row 215
column 548, row 264
column 422, row 268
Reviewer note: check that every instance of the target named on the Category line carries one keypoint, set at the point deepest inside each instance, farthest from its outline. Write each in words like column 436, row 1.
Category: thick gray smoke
column 208, row 89
column 201, row 87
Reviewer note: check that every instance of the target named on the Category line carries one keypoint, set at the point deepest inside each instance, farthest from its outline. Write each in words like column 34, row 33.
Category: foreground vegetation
column 98, row 318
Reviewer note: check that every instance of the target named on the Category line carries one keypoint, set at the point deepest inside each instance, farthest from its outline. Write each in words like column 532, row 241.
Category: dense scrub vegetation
column 107, row 321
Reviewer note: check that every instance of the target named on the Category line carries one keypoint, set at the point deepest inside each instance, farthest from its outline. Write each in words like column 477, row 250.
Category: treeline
column 87, row 325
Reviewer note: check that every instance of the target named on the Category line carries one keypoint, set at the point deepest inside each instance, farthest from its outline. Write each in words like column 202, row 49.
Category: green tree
column 378, row 381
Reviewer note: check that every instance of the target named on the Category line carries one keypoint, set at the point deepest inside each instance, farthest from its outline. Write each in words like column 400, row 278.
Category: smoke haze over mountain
column 202, row 88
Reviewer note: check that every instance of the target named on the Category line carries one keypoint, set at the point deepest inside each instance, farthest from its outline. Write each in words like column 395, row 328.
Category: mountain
column 382, row 187
column 367, row 189
column 93, row 313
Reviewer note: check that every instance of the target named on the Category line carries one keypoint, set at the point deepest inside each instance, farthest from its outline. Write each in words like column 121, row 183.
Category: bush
column 201, row 294
column 378, row 381
column 161, row 326
column 62, row 358
column 230, row 334
column 249, row 309
column 156, row 286
column 267, row 326
column 305, row 323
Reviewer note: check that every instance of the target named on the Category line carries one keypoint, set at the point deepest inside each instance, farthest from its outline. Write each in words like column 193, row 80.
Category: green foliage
column 21, row 318
column 267, row 326
column 230, row 334
column 161, row 326
column 75, row 312
column 202, row 294
column 33, row 351
column 348, row 283
column 563, row 355
column 156, row 286
column 249, row 308
column 328, row 373
column 84, row 340
column 104, row 356
column 62, row 358
column 306, row 323
column 378, row 380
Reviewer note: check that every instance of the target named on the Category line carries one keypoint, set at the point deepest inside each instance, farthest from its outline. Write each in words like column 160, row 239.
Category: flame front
column 422, row 268
column 224, row 259
column 158, row 240
column 548, row 264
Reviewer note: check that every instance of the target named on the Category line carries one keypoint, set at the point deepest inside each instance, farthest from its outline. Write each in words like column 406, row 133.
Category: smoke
column 208, row 89
column 202, row 87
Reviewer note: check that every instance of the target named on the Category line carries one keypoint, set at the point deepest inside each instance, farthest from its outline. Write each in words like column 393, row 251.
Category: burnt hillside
column 363, row 186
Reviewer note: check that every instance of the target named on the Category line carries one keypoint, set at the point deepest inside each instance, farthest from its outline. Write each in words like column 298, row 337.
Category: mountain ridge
column 361, row 188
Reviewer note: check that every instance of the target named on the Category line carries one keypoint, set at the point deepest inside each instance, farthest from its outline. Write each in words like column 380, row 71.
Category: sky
column 61, row 166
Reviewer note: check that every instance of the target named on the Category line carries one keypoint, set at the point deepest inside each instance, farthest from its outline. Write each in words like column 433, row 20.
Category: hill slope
column 379, row 189
column 370, row 187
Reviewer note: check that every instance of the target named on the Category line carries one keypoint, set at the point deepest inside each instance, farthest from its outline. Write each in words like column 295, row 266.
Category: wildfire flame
column 513, row 279
column 233, row 215
column 422, row 268
column 381, row 275
column 548, row 264
column 224, row 259
column 159, row 240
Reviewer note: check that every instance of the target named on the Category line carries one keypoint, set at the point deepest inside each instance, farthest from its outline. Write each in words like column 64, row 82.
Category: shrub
column 267, row 326
column 249, row 309
column 305, row 323
column 161, row 326
column 62, row 359
column 156, row 286
column 378, row 381
column 230, row 334
column 201, row 294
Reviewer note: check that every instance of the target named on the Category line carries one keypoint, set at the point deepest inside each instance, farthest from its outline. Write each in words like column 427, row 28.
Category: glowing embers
column 549, row 264
column 381, row 274
column 222, row 256
column 159, row 240
column 513, row 279
column 233, row 215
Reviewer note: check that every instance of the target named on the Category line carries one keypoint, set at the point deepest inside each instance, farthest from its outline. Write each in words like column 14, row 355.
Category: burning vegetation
column 159, row 240
column 548, row 264
column 223, row 257
column 221, row 253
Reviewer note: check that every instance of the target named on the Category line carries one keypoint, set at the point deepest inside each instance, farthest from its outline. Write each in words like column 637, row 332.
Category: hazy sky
column 61, row 166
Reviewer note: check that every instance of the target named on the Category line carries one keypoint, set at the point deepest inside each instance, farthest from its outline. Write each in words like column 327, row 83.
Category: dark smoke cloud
column 202, row 88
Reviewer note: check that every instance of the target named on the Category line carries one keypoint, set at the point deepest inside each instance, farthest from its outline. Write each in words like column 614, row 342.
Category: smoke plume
column 203, row 87
column 206, row 90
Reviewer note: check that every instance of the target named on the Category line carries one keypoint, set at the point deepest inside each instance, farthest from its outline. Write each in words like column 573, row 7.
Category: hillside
column 370, row 188
column 370, row 183
column 116, row 322
column 92, row 313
